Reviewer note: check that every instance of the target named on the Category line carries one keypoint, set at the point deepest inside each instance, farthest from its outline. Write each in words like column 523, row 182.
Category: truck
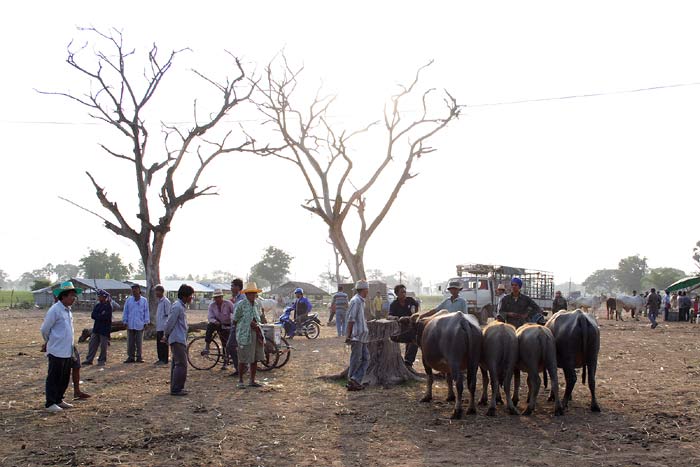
column 479, row 283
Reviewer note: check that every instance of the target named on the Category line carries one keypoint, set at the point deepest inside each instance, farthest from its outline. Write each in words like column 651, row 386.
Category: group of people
column 237, row 322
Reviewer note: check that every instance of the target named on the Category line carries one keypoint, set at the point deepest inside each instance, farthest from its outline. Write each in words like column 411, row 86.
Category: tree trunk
column 386, row 365
column 152, row 264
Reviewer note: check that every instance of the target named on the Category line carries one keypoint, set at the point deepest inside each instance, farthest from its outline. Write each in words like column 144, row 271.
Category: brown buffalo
column 499, row 355
column 450, row 343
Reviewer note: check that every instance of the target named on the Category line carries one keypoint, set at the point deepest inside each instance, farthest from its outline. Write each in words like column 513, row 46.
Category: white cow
column 585, row 303
column 269, row 307
column 632, row 303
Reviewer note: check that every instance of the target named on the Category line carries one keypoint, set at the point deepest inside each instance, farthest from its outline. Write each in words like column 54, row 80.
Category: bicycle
column 276, row 356
column 201, row 359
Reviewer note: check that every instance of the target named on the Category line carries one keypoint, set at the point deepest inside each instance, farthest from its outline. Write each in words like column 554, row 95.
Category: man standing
column 232, row 344
column 405, row 306
column 339, row 306
column 358, row 337
column 500, row 293
column 517, row 308
column 667, row 304
column 559, row 302
column 684, row 304
column 453, row 303
column 57, row 331
column 175, row 333
column 219, row 317
column 654, row 303
column 102, row 315
column 377, row 305
column 249, row 335
column 162, row 313
column 302, row 307
column 135, row 317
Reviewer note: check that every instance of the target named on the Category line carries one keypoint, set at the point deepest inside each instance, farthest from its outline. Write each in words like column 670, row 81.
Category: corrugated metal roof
column 174, row 285
column 105, row 284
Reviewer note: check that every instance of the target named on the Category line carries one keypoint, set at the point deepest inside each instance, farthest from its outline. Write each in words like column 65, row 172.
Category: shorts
column 75, row 359
column 251, row 353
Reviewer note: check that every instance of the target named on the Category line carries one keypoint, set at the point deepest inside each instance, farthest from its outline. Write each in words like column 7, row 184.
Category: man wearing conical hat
column 57, row 331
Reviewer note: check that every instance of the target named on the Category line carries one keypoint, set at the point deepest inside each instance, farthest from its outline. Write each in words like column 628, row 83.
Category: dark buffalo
column 537, row 352
column 577, row 339
column 499, row 354
column 450, row 343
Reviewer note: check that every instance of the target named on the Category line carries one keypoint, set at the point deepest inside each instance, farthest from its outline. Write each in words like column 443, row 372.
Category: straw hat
column 454, row 285
column 218, row 293
column 251, row 287
column 65, row 286
column 501, row 287
column 361, row 285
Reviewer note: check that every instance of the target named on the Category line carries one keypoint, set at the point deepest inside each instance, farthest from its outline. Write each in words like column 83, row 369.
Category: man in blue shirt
column 339, row 308
column 135, row 317
column 302, row 307
column 57, row 331
column 453, row 303
column 175, row 334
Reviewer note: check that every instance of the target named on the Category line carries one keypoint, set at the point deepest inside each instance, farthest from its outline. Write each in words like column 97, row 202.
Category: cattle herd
column 455, row 344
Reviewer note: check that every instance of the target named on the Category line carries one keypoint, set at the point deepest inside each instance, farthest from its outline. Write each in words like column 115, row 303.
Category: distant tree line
column 632, row 273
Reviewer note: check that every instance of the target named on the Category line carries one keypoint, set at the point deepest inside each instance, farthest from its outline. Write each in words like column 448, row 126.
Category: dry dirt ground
column 648, row 387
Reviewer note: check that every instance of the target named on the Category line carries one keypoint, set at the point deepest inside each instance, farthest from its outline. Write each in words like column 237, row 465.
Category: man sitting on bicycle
column 219, row 318
column 302, row 307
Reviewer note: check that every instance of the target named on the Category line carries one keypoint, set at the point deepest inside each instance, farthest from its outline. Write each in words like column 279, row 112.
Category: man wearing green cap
column 57, row 331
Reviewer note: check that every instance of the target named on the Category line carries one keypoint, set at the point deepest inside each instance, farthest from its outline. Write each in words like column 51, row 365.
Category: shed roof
column 104, row 284
column 174, row 285
column 288, row 288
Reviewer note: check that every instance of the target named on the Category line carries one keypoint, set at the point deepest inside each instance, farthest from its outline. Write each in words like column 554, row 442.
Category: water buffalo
column 499, row 354
column 450, row 342
column 537, row 352
column 577, row 339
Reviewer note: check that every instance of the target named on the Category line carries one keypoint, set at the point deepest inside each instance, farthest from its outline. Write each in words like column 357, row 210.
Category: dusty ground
column 648, row 385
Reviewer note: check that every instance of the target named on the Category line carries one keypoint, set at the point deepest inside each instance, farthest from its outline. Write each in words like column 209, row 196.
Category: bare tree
column 118, row 97
column 322, row 152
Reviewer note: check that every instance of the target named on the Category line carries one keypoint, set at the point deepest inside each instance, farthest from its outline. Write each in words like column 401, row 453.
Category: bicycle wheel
column 284, row 352
column 198, row 358
column 313, row 330
column 271, row 357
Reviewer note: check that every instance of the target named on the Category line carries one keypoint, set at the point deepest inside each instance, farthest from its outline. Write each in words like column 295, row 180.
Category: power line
column 488, row 104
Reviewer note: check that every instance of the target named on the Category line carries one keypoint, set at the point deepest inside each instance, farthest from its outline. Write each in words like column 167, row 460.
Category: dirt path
column 648, row 383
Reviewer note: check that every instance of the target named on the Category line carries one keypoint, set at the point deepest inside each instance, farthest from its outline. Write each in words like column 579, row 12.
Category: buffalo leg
column 484, row 387
column 471, row 383
column 592, row 366
column 516, row 387
column 495, row 390
column 533, row 384
column 459, row 380
column 507, row 379
column 570, row 376
column 450, row 390
column 554, row 392
column 429, row 384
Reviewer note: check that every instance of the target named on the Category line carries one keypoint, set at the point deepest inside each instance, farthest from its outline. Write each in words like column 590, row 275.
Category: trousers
column 97, row 341
column 359, row 361
column 162, row 348
column 178, row 367
column 134, row 343
column 57, row 379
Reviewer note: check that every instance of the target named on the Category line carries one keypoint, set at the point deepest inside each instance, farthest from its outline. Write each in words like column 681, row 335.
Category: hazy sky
column 568, row 185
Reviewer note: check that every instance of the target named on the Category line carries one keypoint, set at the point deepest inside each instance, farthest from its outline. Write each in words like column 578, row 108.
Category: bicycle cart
column 277, row 349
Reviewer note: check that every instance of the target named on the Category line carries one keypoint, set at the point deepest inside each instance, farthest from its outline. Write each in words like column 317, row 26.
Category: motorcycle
column 309, row 328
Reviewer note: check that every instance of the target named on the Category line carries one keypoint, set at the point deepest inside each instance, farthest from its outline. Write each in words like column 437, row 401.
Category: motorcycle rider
column 302, row 307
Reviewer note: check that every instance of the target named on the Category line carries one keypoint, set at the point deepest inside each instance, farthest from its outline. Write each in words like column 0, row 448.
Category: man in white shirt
column 135, row 317
column 57, row 331
column 357, row 337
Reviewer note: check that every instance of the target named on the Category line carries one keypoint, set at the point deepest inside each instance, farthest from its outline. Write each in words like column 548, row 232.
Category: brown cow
column 499, row 355
column 537, row 352
column 450, row 343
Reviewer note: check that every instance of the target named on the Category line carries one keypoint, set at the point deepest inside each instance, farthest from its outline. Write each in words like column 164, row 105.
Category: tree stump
column 386, row 364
